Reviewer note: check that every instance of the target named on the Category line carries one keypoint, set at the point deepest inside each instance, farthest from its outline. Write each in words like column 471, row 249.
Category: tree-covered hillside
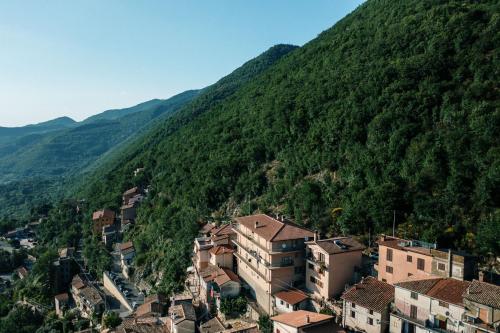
column 395, row 108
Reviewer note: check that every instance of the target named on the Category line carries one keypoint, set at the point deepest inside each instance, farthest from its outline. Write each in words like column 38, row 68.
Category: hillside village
column 262, row 273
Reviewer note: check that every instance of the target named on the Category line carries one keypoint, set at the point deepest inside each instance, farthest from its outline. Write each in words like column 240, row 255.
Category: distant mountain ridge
column 63, row 146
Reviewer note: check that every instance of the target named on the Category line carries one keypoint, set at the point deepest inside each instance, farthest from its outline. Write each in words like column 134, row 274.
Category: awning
column 440, row 317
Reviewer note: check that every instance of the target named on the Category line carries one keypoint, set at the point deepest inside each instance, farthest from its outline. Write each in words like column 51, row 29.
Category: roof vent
column 339, row 243
column 256, row 224
column 308, row 320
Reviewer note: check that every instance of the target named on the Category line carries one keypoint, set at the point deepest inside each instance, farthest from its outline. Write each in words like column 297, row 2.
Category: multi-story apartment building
column 482, row 307
column 270, row 255
column 331, row 264
column 429, row 306
column 402, row 260
column 366, row 306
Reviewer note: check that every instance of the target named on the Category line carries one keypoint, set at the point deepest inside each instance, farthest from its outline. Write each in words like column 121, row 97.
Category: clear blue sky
column 78, row 58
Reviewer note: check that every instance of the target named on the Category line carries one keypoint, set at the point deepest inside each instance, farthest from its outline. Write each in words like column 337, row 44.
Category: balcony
column 254, row 254
column 310, row 257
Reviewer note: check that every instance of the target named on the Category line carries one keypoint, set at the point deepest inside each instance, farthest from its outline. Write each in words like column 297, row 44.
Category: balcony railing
column 316, row 261
column 262, row 261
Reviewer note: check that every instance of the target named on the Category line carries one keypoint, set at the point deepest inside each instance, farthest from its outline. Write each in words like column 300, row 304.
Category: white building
column 429, row 305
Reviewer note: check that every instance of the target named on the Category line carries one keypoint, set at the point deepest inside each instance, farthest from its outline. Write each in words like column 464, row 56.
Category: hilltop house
column 429, row 305
column 270, row 255
column 366, row 306
column 62, row 271
column 331, row 264
column 482, row 307
column 102, row 218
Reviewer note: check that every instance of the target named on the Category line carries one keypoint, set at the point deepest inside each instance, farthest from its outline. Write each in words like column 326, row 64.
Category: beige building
column 270, row 255
column 366, row 306
column 331, row 264
column 482, row 307
column 400, row 260
column 303, row 321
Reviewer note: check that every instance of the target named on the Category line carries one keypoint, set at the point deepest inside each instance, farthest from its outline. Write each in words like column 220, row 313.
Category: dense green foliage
column 233, row 305
column 36, row 168
column 395, row 108
column 10, row 261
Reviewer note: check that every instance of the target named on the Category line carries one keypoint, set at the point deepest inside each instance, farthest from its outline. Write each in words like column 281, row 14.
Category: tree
column 265, row 324
column 111, row 320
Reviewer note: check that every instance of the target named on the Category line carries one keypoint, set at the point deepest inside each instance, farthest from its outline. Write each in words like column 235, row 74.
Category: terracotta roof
column 292, row 297
column 131, row 191
column 421, row 286
column 62, row 297
column 224, row 275
column 273, row 230
column 207, row 228
column 103, row 213
column 221, row 249
column 127, row 245
column 339, row 245
column 225, row 229
column 298, row 319
column 370, row 293
column 91, row 295
column 160, row 298
column 483, row 293
column 449, row 290
column 218, row 238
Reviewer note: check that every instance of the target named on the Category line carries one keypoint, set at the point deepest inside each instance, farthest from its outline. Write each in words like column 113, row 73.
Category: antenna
column 393, row 222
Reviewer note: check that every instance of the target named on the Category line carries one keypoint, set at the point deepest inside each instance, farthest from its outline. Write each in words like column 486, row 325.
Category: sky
column 81, row 57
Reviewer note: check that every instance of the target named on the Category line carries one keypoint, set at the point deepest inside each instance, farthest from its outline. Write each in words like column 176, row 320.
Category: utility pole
column 393, row 222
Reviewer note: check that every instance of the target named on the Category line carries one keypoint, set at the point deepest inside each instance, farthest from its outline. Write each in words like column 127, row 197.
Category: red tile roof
column 292, row 297
column 449, row 290
column 62, row 297
column 224, row 275
column 103, row 213
column 421, row 286
column 221, row 249
column 301, row 318
column 273, row 230
column 370, row 293
column 225, row 229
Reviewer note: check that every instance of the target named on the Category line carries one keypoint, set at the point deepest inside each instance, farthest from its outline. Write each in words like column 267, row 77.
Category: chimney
column 316, row 236
column 481, row 276
column 256, row 224
column 308, row 320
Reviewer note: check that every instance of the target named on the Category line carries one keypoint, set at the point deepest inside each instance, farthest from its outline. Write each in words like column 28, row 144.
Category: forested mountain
column 392, row 110
column 7, row 134
column 66, row 151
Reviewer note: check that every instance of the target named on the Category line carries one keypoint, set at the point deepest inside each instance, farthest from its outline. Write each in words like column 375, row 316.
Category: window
column 371, row 312
column 388, row 269
column 281, row 302
column 369, row 321
column 384, row 280
column 441, row 266
column 409, row 274
column 321, row 257
column 353, row 314
column 353, row 305
column 409, row 258
column 414, row 295
column 443, row 304
column 389, row 255
column 420, row 264
column 413, row 312
column 313, row 279
column 311, row 266
column 287, row 305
